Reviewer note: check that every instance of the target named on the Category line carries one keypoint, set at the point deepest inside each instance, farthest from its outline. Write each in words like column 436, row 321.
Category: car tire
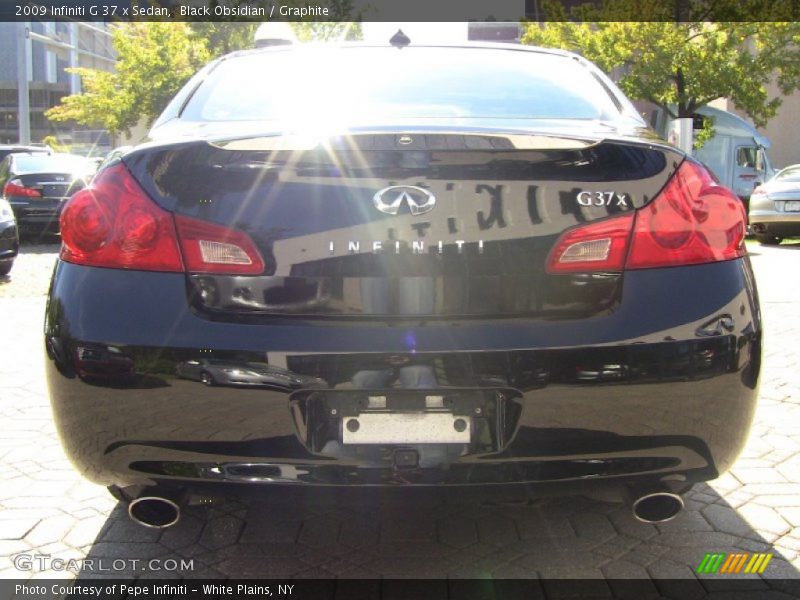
column 768, row 240
column 5, row 267
column 207, row 379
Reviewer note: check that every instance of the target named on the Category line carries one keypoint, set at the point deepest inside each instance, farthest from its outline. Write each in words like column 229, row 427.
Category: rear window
column 789, row 175
column 5, row 152
column 335, row 84
column 43, row 163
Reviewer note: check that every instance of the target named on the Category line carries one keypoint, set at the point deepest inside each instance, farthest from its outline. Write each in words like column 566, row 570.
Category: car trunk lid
column 404, row 223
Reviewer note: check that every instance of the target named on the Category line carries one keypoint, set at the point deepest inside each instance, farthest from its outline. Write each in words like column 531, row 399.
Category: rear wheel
column 207, row 379
column 768, row 240
column 5, row 267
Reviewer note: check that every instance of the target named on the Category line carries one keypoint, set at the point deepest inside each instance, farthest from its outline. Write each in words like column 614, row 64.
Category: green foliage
column 55, row 146
column 228, row 34
column 224, row 37
column 683, row 65
column 154, row 61
column 701, row 136
column 307, row 31
column 342, row 23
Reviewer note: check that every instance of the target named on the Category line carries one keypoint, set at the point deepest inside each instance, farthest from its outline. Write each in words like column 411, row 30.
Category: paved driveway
column 47, row 509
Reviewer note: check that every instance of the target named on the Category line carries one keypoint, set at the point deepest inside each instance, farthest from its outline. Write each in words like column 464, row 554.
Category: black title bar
column 386, row 589
column 403, row 10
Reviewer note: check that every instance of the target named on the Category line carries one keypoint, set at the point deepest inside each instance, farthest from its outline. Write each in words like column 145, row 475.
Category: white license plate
column 791, row 206
column 406, row 428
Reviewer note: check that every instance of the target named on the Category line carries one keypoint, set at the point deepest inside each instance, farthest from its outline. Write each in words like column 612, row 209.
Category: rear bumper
column 780, row 227
column 39, row 214
column 9, row 240
column 764, row 216
column 661, row 388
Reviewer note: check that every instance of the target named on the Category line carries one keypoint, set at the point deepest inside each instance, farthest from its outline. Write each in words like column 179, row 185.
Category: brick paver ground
column 47, row 508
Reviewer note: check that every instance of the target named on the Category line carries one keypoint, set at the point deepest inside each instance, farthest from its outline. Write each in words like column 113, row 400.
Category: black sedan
column 490, row 268
column 36, row 185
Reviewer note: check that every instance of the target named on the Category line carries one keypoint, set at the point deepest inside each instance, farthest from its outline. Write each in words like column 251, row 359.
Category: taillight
column 693, row 220
column 599, row 246
column 211, row 248
column 115, row 224
column 15, row 187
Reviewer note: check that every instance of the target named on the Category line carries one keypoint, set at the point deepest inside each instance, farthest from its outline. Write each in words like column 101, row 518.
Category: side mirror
column 760, row 162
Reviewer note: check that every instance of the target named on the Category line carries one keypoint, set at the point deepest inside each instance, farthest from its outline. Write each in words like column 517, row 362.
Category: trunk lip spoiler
column 481, row 140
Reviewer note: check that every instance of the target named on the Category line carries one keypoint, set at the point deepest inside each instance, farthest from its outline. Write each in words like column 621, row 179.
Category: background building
column 36, row 56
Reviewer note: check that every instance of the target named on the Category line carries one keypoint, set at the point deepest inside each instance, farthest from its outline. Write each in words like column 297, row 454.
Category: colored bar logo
column 734, row 563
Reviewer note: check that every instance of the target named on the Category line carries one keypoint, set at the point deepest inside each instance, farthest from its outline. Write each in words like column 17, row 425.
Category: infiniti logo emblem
column 390, row 199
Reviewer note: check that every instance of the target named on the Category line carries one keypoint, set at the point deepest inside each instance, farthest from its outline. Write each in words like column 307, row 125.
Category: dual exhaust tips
column 160, row 512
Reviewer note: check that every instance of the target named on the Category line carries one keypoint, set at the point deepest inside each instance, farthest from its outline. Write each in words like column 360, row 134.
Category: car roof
column 24, row 148
column 54, row 158
column 27, row 153
column 460, row 45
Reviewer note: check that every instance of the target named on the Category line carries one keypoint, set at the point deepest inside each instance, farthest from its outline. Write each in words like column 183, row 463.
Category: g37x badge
column 586, row 198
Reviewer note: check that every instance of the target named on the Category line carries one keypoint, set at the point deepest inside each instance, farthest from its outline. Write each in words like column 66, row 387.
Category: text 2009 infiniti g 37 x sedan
column 472, row 266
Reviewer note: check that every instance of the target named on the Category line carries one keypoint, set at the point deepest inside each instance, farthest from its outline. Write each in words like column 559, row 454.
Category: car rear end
column 547, row 301
column 775, row 207
column 38, row 185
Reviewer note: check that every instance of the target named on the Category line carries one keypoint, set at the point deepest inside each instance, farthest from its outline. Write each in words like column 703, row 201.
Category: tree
column 55, row 146
column 679, row 56
column 154, row 60
column 307, row 31
column 222, row 37
column 237, row 33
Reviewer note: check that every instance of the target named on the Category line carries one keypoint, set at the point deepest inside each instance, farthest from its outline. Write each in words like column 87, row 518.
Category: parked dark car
column 501, row 275
column 37, row 185
column 775, row 207
column 9, row 238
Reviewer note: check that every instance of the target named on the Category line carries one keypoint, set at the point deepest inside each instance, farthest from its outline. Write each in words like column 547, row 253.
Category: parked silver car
column 775, row 207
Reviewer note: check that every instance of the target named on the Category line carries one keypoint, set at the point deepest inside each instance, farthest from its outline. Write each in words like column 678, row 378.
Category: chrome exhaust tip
column 155, row 512
column 657, row 507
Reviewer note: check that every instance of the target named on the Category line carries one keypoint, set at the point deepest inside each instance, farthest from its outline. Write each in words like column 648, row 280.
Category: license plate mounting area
column 480, row 420
column 791, row 206
column 421, row 427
